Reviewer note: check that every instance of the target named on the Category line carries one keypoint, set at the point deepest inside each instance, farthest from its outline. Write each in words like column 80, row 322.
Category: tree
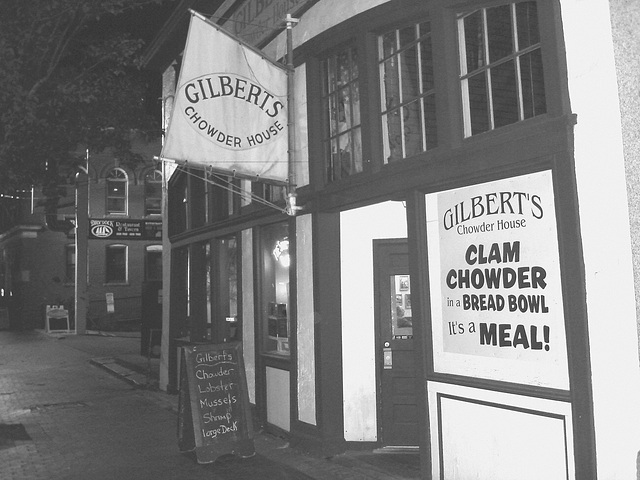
column 70, row 78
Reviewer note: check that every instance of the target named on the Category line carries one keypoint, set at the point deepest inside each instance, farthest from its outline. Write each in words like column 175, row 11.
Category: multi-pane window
column 70, row 263
column 407, row 91
column 153, row 263
column 501, row 66
column 116, row 267
column 341, row 105
column 117, row 192
column 153, row 193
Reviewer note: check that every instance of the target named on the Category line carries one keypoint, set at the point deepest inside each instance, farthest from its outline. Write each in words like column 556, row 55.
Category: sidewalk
column 119, row 354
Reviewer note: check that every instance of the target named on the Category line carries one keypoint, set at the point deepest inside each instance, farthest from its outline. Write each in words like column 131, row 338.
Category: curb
column 137, row 379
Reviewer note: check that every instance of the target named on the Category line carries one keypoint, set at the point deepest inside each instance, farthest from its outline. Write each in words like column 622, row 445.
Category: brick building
column 38, row 245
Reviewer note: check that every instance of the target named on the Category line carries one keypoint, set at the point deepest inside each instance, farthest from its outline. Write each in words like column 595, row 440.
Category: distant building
column 38, row 250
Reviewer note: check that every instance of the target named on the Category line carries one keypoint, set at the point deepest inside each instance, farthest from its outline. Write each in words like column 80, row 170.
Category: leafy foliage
column 70, row 79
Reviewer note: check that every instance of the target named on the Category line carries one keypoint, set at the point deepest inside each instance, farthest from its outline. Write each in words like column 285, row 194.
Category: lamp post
column 82, row 246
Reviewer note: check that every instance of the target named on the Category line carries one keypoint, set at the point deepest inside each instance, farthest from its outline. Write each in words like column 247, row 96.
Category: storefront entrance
column 397, row 409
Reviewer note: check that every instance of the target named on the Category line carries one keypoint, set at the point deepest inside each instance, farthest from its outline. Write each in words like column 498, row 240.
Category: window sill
column 276, row 360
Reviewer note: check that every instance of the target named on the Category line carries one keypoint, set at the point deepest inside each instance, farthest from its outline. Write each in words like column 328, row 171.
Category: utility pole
column 82, row 248
column 291, row 180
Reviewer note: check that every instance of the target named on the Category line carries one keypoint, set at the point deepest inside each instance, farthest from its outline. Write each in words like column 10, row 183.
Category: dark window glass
column 430, row 121
column 499, row 32
column 527, row 21
column 116, row 271
column 153, row 263
column 478, row 104
column 509, row 87
column 408, row 99
column 505, row 97
column 117, row 192
column 341, row 100
column 153, row 193
column 533, row 98
column 474, row 40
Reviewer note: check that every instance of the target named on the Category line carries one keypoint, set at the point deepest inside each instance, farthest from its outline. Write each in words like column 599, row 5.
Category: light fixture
column 281, row 252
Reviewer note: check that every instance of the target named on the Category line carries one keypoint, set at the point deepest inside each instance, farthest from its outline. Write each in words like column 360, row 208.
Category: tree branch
column 70, row 31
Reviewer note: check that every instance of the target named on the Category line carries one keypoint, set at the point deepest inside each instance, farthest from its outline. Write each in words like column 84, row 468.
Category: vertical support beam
column 417, row 235
column 328, row 334
column 82, row 250
column 291, row 179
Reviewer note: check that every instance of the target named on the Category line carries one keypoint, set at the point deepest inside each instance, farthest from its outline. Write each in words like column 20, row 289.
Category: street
column 63, row 418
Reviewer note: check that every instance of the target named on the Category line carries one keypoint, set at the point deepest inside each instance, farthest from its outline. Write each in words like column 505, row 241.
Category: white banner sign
column 494, row 272
column 230, row 110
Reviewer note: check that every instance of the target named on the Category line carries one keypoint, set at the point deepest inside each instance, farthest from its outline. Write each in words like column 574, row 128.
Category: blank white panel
column 486, row 441
column 248, row 320
column 278, row 403
column 305, row 324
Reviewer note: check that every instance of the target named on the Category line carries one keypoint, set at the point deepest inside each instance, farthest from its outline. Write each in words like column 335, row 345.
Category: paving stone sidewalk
column 87, row 407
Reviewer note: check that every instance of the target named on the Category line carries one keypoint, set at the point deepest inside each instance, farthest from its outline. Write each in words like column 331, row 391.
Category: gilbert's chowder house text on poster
column 495, row 280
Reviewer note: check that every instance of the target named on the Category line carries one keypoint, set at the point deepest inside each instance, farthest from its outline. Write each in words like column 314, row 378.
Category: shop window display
column 275, row 290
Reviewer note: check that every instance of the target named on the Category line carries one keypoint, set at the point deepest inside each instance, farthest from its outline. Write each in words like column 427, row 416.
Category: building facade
column 123, row 247
column 460, row 276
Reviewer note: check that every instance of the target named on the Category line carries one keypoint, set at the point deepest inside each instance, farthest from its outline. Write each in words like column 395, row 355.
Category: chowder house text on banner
column 230, row 111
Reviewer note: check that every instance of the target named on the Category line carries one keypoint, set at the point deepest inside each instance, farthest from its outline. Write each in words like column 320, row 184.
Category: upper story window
column 501, row 66
column 408, row 98
column 117, row 183
column 153, row 193
column 342, row 136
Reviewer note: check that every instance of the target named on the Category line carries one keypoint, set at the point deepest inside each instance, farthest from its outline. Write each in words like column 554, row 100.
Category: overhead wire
column 231, row 187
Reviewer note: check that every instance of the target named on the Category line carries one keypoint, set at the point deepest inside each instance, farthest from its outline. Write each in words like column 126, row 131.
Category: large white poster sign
column 494, row 274
column 230, row 109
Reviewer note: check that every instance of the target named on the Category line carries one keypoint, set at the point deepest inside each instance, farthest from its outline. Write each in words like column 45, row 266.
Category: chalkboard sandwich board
column 213, row 410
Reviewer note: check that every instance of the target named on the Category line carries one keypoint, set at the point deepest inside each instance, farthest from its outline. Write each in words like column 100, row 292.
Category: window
column 501, row 66
column 4, row 280
column 116, row 268
column 153, row 263
column 407, row 91
column 153, row 193
column 70, row 263
column 225, row 292
column 341, row 105
column 270, row 193
column 117, row 192
column 178, row 205
column 275, row 289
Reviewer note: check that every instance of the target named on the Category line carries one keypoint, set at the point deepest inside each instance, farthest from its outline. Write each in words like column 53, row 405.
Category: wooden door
column 398, row 422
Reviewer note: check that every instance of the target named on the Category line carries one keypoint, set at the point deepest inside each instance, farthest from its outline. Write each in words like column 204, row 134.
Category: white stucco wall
column 358, row 228
column 604, row 219
column 625, row 19
column 305, row 333
column 248, row 314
